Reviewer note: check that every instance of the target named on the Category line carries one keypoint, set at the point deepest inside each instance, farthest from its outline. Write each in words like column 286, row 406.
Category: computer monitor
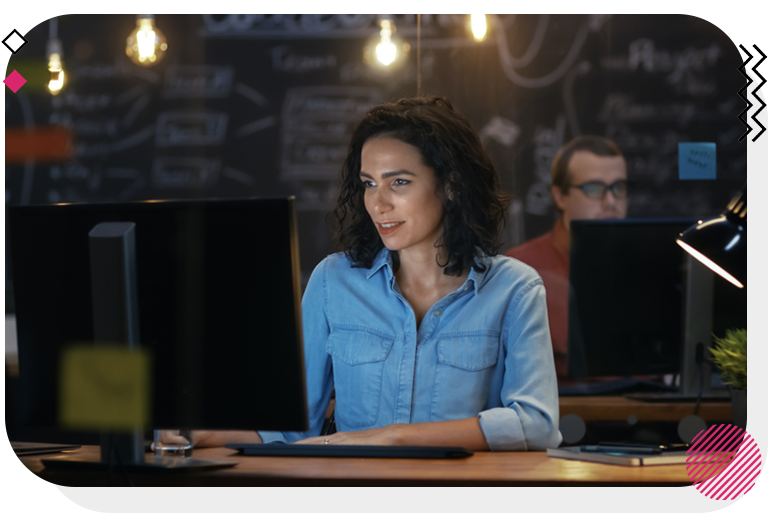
column 628, row 299
column 218, row 308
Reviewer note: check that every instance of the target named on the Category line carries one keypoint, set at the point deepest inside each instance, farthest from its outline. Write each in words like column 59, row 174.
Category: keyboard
column 351, row 451
column 27, row 448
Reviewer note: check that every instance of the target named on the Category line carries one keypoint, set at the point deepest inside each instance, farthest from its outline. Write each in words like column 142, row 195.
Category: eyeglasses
column 596, row 189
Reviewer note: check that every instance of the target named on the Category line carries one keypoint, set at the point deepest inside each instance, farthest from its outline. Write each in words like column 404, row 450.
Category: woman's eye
column 401, row 182
column 368, row 184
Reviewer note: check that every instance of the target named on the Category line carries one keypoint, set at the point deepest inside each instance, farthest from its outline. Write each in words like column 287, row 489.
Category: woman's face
column 401, row 194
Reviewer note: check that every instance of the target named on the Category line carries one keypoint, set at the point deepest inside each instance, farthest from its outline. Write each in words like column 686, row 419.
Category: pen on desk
column 656, row 448
column 620, row 449
column 635, row 445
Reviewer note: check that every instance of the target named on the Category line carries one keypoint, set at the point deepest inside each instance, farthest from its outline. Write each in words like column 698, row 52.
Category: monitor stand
column 124, row 452
column 695, row 368
column 116, row 321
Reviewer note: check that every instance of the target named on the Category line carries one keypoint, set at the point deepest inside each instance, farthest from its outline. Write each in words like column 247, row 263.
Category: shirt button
column 466, row 287
column 438, row 312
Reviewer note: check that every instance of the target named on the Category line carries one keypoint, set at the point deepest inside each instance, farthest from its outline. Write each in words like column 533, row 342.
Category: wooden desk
column 621, row 408
column 482, row 469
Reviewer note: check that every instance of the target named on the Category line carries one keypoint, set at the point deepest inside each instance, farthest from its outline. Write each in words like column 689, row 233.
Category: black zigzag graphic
column 749, row 104
column 754, row 93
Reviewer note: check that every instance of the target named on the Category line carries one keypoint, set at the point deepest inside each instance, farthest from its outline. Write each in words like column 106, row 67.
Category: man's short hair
column 596, row 144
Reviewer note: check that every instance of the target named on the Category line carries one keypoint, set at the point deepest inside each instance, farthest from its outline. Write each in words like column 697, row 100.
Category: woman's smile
column 386, row 228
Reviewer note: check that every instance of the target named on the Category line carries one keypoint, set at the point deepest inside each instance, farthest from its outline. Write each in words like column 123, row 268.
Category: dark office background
column 263, row 106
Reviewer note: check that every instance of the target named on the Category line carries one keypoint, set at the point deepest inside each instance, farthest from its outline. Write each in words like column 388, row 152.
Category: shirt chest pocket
column 358, row 367
column 465, row 368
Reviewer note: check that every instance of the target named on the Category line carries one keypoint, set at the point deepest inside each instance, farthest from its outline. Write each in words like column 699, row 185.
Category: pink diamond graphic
column 15, row 81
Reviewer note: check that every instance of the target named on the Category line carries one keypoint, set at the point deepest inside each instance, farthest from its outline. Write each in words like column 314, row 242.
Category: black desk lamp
column 721, row 243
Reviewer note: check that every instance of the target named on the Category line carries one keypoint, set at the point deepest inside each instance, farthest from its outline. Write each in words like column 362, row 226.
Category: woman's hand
column 388, row 435
column 210, row 438
column 175, row 436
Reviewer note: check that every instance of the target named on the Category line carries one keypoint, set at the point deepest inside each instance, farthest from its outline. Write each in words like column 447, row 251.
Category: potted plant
column 730, row 355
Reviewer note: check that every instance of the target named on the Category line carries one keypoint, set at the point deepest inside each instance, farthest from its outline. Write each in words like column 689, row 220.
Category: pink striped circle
column 723, row 462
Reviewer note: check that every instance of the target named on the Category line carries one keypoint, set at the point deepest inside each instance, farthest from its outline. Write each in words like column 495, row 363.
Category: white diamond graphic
column 14, row 41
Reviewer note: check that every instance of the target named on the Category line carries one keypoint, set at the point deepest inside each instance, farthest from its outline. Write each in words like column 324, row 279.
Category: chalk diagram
column 547, row 140
column 106, row 126
column 646, row 130
column 204, row 127
column 109, row 128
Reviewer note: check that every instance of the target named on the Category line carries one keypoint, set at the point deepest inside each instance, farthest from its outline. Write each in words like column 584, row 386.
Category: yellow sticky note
column 104, row 387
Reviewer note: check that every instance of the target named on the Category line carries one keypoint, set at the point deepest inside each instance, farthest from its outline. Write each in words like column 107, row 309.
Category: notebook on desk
column 351, row 451
column 619, row 458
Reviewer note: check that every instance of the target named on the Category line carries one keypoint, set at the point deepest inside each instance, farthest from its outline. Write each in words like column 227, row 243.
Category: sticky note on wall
column 104, row 387
column 697, row 161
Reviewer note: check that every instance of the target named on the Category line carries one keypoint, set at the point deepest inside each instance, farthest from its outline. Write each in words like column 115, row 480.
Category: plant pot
column 739, row 407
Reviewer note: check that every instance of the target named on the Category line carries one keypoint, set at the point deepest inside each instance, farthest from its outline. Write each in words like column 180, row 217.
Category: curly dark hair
column 474, row 214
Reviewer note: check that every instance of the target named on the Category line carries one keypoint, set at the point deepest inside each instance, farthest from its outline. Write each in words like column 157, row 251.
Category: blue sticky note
column 697, row 161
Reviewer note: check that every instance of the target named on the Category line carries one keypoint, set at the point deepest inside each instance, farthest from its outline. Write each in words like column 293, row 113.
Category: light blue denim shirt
column 483, row 350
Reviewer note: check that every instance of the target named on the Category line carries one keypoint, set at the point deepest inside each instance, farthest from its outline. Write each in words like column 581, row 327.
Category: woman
column 428, row 336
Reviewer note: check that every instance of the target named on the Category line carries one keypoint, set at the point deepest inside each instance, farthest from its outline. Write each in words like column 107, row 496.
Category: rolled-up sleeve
column 528, row 418
column 317, row 362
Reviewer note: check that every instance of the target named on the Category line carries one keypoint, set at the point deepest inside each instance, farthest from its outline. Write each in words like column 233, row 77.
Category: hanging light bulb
column 386, row 51
column 54, row 53
column 146, row 45
column 479, row 26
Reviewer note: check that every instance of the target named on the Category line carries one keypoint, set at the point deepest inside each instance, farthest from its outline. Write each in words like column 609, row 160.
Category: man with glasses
column 589, row 180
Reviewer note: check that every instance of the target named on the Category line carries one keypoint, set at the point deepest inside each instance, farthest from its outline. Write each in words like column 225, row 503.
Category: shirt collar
column 382, row 259
column 476, row 279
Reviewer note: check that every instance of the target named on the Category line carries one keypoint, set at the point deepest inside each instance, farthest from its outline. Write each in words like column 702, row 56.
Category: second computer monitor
column 218, row 300
column 625, row 314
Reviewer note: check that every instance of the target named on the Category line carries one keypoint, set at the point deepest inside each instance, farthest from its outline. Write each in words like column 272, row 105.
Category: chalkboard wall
column 263, row 106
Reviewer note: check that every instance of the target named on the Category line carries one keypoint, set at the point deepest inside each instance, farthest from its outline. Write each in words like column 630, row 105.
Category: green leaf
column 730, row 355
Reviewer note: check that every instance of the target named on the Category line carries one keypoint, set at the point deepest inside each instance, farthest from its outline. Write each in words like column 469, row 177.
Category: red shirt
column 548, row 254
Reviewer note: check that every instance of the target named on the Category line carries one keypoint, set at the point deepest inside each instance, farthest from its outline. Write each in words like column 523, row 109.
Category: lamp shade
column 721, row 242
